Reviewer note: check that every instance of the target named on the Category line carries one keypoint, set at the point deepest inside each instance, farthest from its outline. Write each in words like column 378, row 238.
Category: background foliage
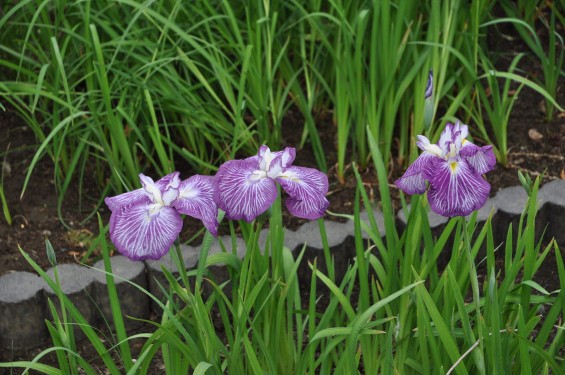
column 119, row 86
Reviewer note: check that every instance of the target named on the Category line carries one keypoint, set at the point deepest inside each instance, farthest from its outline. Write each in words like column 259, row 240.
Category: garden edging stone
column 23, row 295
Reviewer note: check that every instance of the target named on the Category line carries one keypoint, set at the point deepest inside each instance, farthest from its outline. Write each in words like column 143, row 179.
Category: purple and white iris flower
column 454, row 168
column 247, row 188
column 429, row 101
column 146, row 222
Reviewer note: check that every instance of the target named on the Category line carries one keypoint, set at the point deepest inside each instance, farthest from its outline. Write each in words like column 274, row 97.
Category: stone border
column 23, row 295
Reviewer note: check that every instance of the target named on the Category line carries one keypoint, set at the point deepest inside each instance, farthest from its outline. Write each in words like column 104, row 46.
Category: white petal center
column 257, row 175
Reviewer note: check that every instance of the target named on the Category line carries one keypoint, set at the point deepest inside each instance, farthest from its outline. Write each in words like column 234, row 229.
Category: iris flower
column 453, row 168
column 429, row 101
column 429, row 85
column 247, row 188
column 145, row 222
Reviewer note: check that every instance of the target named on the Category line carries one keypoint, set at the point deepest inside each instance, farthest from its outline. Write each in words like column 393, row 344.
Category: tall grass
column 551, row 56
column 113, row 87
column 377, row 55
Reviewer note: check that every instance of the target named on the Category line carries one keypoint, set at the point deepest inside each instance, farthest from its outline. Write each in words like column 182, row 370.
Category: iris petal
column 424, row 144
column 412, row 181
column 196, row 198
column 138, row 236
column 455, row 188
column 482, row 159
column 307, row 189
column 287, row 156
column 447, row 135
column 137, row 196
column 265, row 157
column 241, row 196
column 429, row 85
column 141, row 196
column 171, row 188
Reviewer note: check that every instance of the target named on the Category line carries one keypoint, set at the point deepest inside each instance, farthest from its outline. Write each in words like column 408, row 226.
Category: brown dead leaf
column 541, row 106
column 562, row 174
column 535, row 135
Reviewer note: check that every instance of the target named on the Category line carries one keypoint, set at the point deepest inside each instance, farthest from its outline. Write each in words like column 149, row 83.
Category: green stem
column 327, row 253
column 178, row 259
column 476, row 296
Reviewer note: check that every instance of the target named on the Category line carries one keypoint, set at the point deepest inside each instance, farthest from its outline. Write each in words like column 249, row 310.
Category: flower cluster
column 145, row 222
column 453, row 168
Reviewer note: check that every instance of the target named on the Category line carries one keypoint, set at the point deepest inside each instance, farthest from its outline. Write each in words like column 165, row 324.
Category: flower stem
column 178, row 259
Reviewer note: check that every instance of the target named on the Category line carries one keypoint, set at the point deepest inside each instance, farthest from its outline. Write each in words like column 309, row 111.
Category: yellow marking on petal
column 453, row 166
column 463, row 142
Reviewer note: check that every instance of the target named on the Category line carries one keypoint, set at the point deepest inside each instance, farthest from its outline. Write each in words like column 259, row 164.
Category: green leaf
column 536, row 286
column 201, row 368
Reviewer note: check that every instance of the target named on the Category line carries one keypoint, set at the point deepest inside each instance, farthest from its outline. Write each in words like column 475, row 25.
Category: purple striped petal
column 307, row 189
column 287, row 156
column 429, row 85
column 196, row 198
column 140, row 235
column 412, row 181
column 141, row 195
column 448, row 134
column 243, row 192
column 137, row 196
column 455, row 188
column 482, row 159
column 265, row 157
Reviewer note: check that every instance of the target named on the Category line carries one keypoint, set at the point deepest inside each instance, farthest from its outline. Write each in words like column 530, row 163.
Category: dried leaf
column 6, row 169
column 535, row 135
column 542, row 108
column 562, row 174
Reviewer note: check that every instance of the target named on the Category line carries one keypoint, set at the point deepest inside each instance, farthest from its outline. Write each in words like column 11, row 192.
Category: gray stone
column 219, row 272
column 133, row 302
column 262, row 240
column 339, row 248
column 437, row 222
column 511, row 200
column 510, row 203
column 77, row 283
column 309, row 234
column 22, row 311
column 485, row 211
column 291, row 241
column 364, row 216
column 224, row 243
column 434, row 219
column 553, row 192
